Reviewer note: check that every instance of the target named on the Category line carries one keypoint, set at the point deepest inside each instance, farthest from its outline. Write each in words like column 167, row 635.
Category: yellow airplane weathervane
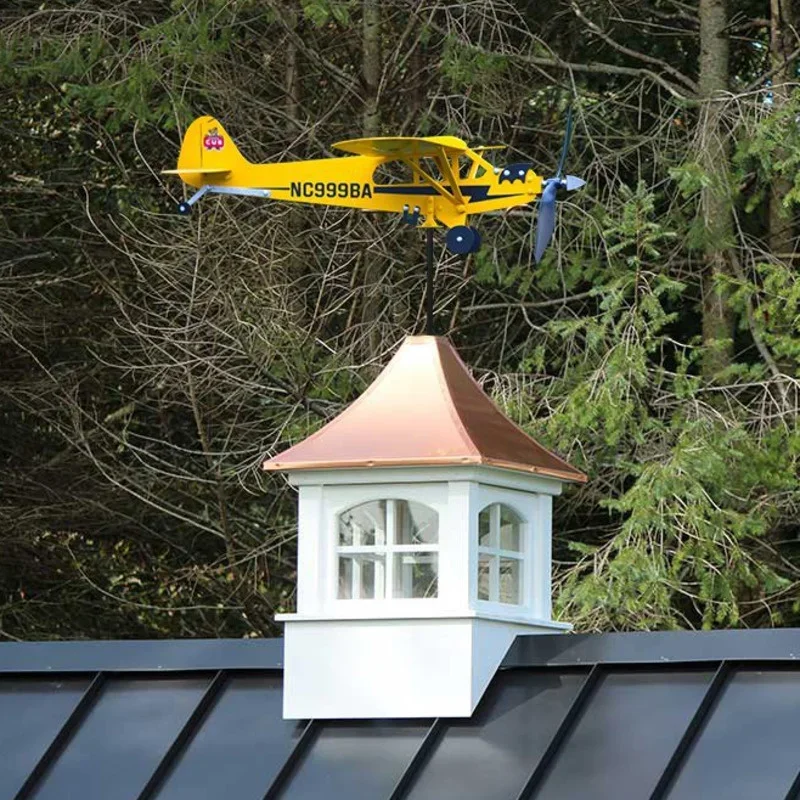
column 449, row 181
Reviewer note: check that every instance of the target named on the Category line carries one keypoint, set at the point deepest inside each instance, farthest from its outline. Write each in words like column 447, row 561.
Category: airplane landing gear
column 410, row 218
column 463, row 239
column 184, row 209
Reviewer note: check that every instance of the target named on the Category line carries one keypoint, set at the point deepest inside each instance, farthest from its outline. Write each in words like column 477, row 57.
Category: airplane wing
column 404, row 147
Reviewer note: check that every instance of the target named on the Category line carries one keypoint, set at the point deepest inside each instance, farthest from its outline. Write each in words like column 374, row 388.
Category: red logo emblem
column 213, row 141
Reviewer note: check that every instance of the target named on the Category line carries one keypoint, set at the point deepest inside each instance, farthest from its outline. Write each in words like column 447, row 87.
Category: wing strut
column 447, row 170
column 419, row 172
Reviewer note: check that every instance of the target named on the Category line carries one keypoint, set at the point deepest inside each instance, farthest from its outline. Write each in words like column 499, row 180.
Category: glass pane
column 485, row 527
column 416, row 523
column 361, row 576
column 126, row 734
column 356, row 760
column 345, row 578
column 510, row 525
column 32, row 712
column 511, row 580
column 416, row 574
column 363, row 525
column 368, row 578
column 484, row 577
column 627, row 733
column 491, row 755
column 242, row 743
column 751, row 738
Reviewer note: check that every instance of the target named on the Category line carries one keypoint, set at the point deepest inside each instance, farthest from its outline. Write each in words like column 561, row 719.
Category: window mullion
column 391, row 539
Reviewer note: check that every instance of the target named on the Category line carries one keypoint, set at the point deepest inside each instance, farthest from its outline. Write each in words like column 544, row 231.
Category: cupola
column 424, row 545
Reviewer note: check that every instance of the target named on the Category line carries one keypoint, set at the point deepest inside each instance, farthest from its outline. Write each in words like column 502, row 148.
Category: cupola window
column 388, row 549
column 501, row 554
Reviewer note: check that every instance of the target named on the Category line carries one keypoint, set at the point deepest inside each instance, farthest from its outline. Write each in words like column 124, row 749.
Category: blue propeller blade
column 546, row 223
column 565, row 146
column 573, row 183
column 547, row 203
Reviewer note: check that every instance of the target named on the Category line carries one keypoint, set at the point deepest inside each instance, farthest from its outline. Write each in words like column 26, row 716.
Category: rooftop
column 625, row 716
column 424, row 409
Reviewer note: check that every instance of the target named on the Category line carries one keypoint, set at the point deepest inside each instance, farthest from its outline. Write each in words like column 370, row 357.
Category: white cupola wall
column 424, row 545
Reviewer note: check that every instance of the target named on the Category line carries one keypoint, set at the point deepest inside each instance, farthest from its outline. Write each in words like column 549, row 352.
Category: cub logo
column 213, row 141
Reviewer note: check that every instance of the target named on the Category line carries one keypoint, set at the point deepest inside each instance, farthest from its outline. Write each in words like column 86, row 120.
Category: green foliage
column 320, row 12
column 771, row 300
column 686, row 490
column 122, row 77
column 467, row 69
column 771, row 149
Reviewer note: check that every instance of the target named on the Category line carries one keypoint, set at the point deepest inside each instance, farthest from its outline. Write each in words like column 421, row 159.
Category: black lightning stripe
column 474, row 193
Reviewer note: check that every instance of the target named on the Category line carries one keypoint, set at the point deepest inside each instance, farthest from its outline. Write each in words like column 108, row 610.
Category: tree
column 150, row 362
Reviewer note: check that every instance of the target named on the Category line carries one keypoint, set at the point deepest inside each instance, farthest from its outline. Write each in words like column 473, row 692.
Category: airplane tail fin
column 207, row 149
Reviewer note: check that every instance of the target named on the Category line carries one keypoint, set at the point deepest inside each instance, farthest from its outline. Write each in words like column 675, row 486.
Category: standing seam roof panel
column 636, row 718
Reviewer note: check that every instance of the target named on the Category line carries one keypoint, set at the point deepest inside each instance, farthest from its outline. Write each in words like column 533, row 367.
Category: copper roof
column 424, row 409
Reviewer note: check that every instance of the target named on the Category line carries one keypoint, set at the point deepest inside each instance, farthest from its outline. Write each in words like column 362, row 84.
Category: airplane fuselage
column 429, row 180
column 349, row 182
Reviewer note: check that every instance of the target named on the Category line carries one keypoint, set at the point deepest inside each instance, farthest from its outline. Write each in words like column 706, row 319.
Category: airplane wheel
column 461, row 239
column 185, row 209
column 476, row 245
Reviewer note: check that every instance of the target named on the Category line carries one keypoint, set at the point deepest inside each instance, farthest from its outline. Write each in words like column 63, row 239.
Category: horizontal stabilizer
column 195, row 171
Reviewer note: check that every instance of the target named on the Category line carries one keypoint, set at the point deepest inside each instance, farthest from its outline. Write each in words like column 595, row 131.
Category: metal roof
column 424, row 409
column 640, row 715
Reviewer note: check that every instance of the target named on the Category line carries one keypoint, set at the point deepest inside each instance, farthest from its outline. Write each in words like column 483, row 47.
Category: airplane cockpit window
column 431, row 168
column 400, row 172
column 393, row 172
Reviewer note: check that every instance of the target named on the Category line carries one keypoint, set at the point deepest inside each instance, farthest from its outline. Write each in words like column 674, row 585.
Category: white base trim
column 424, row 614
column 393, row 668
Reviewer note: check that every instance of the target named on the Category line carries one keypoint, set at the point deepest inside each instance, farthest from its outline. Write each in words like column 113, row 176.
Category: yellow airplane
column 449, row 180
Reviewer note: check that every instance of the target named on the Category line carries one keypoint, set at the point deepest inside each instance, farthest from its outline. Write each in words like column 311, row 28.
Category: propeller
column 554, row 189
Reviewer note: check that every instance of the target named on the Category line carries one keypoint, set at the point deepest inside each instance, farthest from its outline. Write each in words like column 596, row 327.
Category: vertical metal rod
column 59, row 743
column 564, row 729
column 429, row 281
column 418, row 760
column 184, row 736
column 692, row 731
column 298, row 751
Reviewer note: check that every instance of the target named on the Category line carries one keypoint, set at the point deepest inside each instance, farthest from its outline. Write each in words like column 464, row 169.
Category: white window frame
column 496, row 553
column 384, row 567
